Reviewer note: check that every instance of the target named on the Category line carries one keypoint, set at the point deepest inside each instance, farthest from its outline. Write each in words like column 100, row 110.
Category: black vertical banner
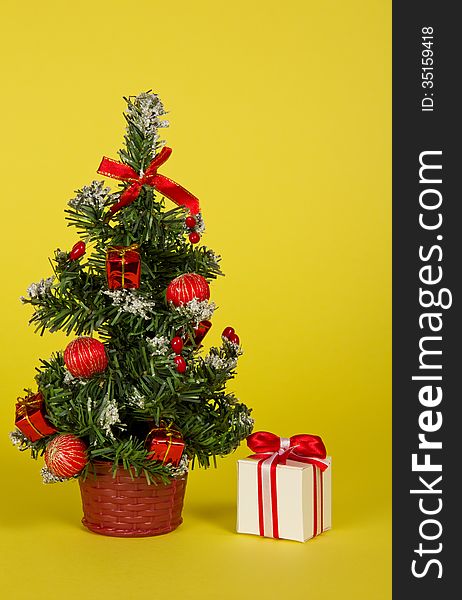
column 427, row 353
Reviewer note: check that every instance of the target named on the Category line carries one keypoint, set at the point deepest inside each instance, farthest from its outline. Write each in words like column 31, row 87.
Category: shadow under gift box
column 303, row 501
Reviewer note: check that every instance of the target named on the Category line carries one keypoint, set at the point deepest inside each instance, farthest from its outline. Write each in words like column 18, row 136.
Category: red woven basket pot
column 123, row 506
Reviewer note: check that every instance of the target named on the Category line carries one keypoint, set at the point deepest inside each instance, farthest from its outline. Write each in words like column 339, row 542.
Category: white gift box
column 300, row 502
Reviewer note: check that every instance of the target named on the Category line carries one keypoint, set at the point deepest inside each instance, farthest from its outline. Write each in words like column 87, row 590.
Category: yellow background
column 280, row 117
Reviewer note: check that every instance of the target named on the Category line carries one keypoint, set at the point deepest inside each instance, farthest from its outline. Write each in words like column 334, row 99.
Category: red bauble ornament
column 190, row 222
column 234, row 339
column 66, row 455
column 194, row 237
column 85, row 357
column 186, row 287
column 77, row 251
column 180, row 364
column 177, row 344
column 227, row 331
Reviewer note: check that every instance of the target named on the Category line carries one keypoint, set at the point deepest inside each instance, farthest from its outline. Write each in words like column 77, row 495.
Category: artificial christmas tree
column 126, row 413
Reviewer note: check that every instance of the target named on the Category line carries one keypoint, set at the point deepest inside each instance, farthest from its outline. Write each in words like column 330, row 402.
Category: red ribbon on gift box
column 271, row 451
column 167, row 187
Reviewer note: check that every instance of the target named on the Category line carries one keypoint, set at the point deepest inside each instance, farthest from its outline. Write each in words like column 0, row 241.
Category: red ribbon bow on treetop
column 302, row 448
column 167, row 187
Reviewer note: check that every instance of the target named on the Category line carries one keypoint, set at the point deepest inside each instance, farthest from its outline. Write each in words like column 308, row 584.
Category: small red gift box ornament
column 165, row 444
column 201, row 331
column 123, row 267
column 30, row 418
column 198, row 334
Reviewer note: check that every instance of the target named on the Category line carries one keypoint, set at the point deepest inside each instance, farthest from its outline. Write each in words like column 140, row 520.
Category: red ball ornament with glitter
column 85, row 357
column 187, row 287
column 66, row 455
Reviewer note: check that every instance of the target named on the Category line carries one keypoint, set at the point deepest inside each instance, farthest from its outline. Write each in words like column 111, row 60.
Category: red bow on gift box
column 302, row 447
column 167, row 187
column 271, row 451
